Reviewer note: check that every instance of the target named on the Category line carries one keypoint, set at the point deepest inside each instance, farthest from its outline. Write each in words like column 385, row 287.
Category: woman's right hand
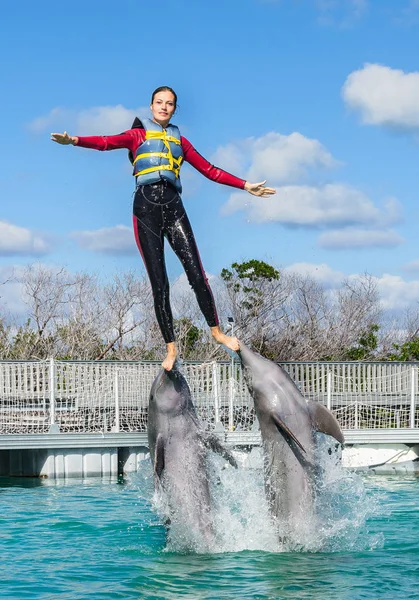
column 64, row 138
column 259, row 189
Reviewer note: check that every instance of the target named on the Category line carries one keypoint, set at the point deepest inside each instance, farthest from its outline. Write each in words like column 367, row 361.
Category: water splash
column 337, row 521
column 342, row 506
column 189, row 525
column 241, row 514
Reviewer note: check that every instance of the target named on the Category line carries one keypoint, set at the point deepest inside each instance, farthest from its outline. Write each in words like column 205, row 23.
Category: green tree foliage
column 28, row 343
column 188, row 337
column 246, row 282
column 254, row 291
column 250, row 271
column 407, row 351
column 76, row 339
column 366, row 345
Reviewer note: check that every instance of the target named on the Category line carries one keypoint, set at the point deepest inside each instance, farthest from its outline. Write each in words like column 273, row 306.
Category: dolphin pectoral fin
column 159, row 457
column 212, row 442
column 284, row 430
column 324, row 421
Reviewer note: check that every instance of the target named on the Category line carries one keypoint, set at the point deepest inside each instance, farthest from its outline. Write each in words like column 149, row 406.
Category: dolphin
column 179, row 453
column 288, row 425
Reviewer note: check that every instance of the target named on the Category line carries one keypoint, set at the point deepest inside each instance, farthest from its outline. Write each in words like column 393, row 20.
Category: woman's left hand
column 259, row 189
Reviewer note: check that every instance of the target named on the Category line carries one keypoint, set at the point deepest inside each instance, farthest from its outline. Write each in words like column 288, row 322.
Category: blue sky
column 319, row 97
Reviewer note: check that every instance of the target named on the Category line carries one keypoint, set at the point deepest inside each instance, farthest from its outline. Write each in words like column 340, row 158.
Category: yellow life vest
column 160, row 156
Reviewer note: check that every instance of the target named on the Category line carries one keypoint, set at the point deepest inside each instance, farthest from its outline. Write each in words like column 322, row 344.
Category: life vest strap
column 159, row 168
column 161, row 135
column 166, row 155
column 147, row 154
column 174, row 163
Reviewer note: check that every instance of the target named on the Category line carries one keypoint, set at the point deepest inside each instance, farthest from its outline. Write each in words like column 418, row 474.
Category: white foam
column 335, row 522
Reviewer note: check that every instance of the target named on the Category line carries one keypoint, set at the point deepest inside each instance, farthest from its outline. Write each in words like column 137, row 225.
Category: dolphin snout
column 245, row 354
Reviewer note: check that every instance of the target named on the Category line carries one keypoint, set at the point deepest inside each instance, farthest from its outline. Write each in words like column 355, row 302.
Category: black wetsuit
column 159, row 213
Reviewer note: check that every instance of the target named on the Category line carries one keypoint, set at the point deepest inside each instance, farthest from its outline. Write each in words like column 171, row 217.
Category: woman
column 157, row 150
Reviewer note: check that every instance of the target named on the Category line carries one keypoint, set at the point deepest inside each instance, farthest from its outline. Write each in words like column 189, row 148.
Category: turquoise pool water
column 103, row 539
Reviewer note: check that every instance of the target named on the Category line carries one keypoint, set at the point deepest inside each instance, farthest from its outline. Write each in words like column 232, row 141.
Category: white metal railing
column 101, row 396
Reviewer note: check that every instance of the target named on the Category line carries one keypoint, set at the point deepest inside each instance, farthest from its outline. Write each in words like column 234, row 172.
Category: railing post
column 116, row 427
column 215, row 393
column 231, row 397
column 329, row 390
column 356, row 413
column 53, row 427
column 412, row 396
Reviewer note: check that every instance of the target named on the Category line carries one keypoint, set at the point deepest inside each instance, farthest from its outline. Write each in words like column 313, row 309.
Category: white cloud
column 232, row 157
column 108, row 119
column 384, row 96
column 343, row 239
column 333, row 205
column 16, row 240
column 98, row 120
column 287, row 162
column 180, row 286
column 278, row 158
column 109, row 240
column 45, row 122
column 11, row 290
column 286, row 158
column 321, row 273
column 395, row 293
column 11, row 298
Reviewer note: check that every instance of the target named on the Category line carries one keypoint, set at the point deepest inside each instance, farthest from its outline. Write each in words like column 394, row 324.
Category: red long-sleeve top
column 132, row 138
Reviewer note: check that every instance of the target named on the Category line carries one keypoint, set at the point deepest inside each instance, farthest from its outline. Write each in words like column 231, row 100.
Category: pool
column 102, row 539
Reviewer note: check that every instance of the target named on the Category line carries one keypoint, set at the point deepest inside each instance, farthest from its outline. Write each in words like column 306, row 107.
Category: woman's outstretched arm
column 128, row 139
column 219, row 175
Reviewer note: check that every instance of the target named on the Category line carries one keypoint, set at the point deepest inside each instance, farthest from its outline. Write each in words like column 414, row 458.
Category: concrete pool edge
column 60, row 455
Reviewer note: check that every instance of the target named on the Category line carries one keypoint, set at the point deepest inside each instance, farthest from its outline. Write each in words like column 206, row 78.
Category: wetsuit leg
column 180, row 236
column 148, row 230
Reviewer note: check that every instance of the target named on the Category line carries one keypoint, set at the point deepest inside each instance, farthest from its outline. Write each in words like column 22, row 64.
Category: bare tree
column 284, row 316
column 358, row 308
column 125, row 300
column 46, row 296
column 297, row 318
column 5, row 326
column 305, row 312
column 79, row 334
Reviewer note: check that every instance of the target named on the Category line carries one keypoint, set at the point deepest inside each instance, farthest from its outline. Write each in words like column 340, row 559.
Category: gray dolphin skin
column 178, row 448
column 288, row 424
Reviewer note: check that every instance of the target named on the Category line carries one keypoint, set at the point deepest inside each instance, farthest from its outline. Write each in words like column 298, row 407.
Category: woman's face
column 163, row 108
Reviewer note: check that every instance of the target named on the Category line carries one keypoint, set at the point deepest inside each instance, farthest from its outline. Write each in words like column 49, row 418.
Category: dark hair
column 164, row 88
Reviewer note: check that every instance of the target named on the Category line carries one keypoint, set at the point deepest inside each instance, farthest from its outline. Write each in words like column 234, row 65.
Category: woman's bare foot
column 169, row 361
column 226, row 340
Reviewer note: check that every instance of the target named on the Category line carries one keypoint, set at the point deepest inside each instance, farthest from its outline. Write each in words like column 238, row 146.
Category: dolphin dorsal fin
column 324, row 421
column 159, row 457
column 287, row 432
